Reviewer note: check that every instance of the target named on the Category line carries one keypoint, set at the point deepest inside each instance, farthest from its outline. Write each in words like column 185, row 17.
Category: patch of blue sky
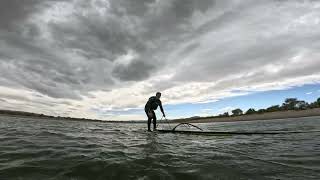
column 256, row 100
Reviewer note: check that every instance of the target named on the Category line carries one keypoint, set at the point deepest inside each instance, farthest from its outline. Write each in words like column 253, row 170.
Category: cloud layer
column 103, row 58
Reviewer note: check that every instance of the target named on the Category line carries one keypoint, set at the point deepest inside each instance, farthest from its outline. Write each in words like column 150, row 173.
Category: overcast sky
column 104, row 58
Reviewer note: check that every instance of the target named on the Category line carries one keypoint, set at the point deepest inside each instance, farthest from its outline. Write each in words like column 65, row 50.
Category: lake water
column 52, row 149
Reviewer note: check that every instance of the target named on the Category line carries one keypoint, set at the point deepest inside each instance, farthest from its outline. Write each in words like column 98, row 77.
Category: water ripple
column 40, row 149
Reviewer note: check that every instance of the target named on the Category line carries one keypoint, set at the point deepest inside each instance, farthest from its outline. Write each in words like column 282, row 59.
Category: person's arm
column 161, row 108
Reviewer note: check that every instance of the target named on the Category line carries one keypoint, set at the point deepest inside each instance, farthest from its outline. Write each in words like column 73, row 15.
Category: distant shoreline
column 68, row 119
column 46, row 117
column 251, row 117
column 256, row 117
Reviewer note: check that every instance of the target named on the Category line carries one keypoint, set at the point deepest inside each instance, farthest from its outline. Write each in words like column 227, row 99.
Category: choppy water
column 51, row 149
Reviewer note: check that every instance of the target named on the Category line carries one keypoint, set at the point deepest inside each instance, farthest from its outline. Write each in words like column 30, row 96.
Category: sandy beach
column 255, row 117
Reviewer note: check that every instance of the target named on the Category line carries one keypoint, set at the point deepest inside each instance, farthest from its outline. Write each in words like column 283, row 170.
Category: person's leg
column 149, row 123
column 149, row 120
column 154, row 121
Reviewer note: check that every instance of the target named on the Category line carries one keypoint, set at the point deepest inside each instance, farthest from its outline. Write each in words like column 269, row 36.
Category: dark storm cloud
column 133, row 7
column 57, row 79
column 274, row 50
column 188, row 49
column 134, row 71
column 70, row 49
column 172, row 22
column 15, row 11
column 96, row 38
column 180, row 8
column 109, row 36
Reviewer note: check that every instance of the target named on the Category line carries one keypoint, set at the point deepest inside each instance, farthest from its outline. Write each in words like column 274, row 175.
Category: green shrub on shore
column 288, row 104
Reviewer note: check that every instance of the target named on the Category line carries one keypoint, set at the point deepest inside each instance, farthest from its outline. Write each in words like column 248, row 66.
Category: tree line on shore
column 288, row 104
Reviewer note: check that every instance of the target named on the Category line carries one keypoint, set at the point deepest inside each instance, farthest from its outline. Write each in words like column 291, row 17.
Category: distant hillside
column 35, row 115
column 30, row 114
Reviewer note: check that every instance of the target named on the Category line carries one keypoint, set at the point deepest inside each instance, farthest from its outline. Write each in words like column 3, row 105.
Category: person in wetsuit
column 149, row 108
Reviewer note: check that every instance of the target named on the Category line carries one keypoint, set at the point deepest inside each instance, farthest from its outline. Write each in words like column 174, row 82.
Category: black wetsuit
column 152, row 105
